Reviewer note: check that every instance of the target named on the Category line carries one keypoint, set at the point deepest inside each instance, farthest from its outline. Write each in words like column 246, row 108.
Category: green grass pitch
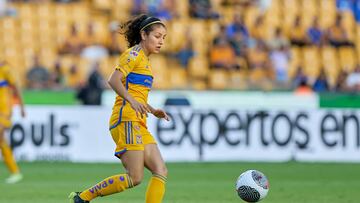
column 190, row 182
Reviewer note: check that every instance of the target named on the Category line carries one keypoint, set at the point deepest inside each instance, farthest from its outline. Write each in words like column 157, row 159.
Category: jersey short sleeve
column 127, row 62
column 9, row 77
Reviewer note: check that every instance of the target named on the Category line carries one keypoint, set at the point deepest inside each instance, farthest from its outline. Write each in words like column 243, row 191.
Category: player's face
column 155, row 40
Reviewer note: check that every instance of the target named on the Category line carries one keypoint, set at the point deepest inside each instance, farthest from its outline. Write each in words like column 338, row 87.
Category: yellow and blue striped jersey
column 6, row 80
column 138, row 79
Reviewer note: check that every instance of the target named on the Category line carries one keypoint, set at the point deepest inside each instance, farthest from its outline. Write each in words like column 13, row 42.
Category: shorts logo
column 138, row 139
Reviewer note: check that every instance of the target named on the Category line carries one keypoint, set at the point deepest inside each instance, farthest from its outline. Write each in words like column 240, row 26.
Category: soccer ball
column 252, row 186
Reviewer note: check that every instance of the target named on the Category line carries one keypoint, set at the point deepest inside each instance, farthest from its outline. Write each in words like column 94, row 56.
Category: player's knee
column 161, row 170
column 136, row 178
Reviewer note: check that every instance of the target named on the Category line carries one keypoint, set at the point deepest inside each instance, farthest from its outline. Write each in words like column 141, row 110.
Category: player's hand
column 159, row 113
column 140, row 109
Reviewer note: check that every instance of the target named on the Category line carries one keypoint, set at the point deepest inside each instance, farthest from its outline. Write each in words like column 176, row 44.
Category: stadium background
column 221, row 58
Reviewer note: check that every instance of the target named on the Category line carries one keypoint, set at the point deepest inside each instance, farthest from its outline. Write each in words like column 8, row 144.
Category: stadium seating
column 41, row 29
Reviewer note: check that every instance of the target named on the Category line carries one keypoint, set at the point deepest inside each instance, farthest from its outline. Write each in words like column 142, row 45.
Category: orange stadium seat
column 28, row 11
column 289, row 12
column 238, row 79
column 199, row 67
column 295, row 60
column 178, row 78
column 121, row 10
column 182, row 8
column 160, row 72
column 312, row 63
column 45, row 11
column 348, row 59
column 177, row 28
column 251, row 15
column 275, row 7
column 310, row 9
column 218, row 79
column 48, row 56
column 327, row 13
column 349, row 24
column 103, row 4
column 199, row 35
column 330, row 63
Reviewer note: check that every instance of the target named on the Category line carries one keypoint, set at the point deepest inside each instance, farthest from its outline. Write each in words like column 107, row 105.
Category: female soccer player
column 135, row 146
column 7, row 87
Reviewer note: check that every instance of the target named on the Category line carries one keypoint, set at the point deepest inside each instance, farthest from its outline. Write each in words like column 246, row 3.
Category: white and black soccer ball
column 252, row 186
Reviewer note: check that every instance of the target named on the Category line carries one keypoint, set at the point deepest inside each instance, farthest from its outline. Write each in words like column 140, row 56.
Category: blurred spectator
column 113, row 41
column 257, row 31
column 264, row 4
column 337, row 34
column 258, row 56
column 153, row 5
column 90, row 94
column 340, row 85
column 163, row 9
column 239, row 44
column 356, row 11
column 185, row 53
column 166, row 10
column 38, row 76
column 57, row 76
column 299, row 77
column 343, row 5
column 94, row 49
column 94, row 52
column 73, row 79
column 297, row 33
column 90, row 37
column 237, row 26
column 303, row 89
column 202, row 9
column 280, row 61
column 321, row 83
column 315, row 34
column 113, row 45
column 279, row 41
column 222, row 55
column 139, row 7
column 73, row 44
column 3, row 8
column 220, row 35
column 66, row 1
column 353, row 80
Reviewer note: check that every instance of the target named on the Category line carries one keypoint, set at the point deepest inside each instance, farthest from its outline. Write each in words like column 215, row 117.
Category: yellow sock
column 108, row 186
column 8, row 158
column 156, row 189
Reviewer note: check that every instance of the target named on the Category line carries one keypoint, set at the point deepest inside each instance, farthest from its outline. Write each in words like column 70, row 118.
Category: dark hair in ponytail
column 132, row 28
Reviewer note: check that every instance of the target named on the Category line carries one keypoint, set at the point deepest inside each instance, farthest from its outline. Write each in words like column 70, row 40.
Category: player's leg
column 7, row 153
column 155, row 163
column 133, row 162
column 132, row 157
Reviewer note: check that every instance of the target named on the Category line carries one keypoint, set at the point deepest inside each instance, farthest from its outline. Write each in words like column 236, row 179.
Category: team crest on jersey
column 138, row 139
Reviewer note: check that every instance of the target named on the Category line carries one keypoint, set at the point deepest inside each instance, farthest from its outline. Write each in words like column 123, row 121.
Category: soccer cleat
column 14, row 178
column 75, row 198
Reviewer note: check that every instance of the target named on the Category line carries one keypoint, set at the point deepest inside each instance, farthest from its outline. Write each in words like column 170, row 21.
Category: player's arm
column 116, row 84
column 17, row 93
column 16, row 89
column 159, row 113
